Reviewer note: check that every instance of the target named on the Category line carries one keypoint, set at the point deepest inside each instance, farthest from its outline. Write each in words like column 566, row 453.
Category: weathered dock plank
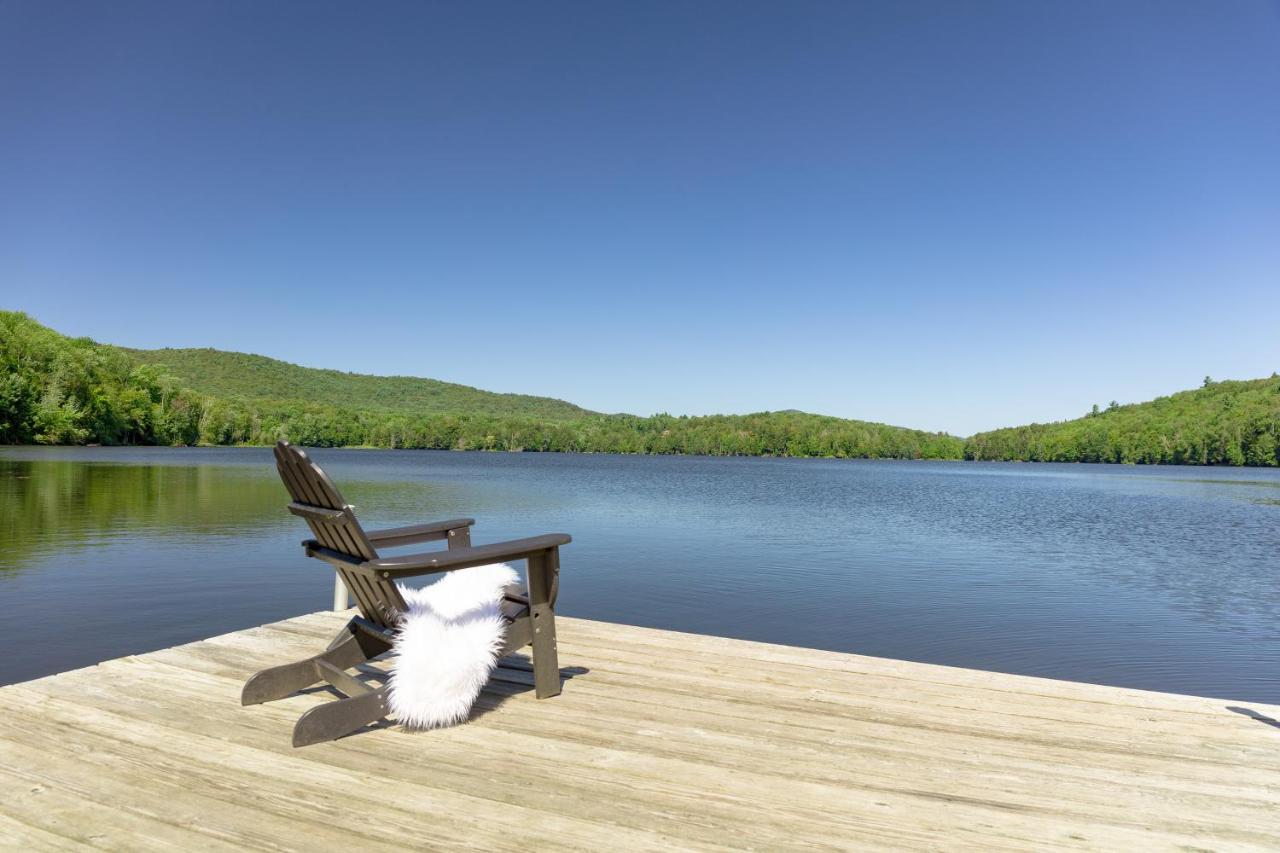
column 660, row 740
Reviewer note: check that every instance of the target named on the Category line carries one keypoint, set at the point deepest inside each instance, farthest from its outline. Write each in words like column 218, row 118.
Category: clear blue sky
column 944, row 215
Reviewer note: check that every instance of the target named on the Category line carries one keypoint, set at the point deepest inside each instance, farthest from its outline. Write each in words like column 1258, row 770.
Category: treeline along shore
column 60, row 390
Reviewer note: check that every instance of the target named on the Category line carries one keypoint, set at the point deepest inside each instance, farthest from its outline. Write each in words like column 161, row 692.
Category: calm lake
column 1158, row 578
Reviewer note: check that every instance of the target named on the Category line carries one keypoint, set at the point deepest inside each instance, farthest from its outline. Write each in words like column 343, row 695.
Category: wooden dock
column 660, row 740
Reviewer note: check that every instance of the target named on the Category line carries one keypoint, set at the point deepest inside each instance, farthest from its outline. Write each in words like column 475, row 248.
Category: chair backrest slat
column 340, row 536
column 358, row 591
column 296, row 480
column 317, row 500
column 309, row 486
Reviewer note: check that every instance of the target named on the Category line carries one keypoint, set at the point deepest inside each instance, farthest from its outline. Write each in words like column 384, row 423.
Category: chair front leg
column 460, row 537
column 543, row 570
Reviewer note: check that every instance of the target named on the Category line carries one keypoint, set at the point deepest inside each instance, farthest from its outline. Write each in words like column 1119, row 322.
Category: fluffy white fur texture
column 448, row 645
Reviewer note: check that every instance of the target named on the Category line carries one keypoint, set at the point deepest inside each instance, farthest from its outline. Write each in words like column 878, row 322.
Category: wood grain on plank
column 660, row 740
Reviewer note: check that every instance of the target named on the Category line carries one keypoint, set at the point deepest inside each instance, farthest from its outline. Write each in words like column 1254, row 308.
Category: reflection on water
column 57, row 507
column 1160, row 578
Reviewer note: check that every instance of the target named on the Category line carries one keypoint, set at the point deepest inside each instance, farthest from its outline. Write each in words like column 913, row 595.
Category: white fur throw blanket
column 448, row 645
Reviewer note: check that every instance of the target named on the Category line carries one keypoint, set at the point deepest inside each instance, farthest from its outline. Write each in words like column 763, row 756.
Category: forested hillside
column 60, row 390
column 1222, row 423
column 237, row 375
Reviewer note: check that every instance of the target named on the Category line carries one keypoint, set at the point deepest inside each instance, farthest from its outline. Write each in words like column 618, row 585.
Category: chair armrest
column 463, row 558
column 394, row 537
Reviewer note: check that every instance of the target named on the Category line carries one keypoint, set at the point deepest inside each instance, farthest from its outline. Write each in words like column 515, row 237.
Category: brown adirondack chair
column 371, row 579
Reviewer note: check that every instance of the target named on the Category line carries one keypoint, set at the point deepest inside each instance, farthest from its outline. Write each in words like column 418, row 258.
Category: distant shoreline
column 365, row 447
column 64, row 391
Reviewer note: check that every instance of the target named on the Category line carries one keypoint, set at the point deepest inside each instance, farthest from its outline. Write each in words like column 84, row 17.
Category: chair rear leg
column 332, row 720
column 278, row 682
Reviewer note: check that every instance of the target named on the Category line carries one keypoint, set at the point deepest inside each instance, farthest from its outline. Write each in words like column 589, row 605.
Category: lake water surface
column 1158, row 578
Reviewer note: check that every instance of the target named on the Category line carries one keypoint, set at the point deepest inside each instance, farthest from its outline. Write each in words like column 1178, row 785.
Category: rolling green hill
column 237, row 375
column 60, row 390
column 1222, row 423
